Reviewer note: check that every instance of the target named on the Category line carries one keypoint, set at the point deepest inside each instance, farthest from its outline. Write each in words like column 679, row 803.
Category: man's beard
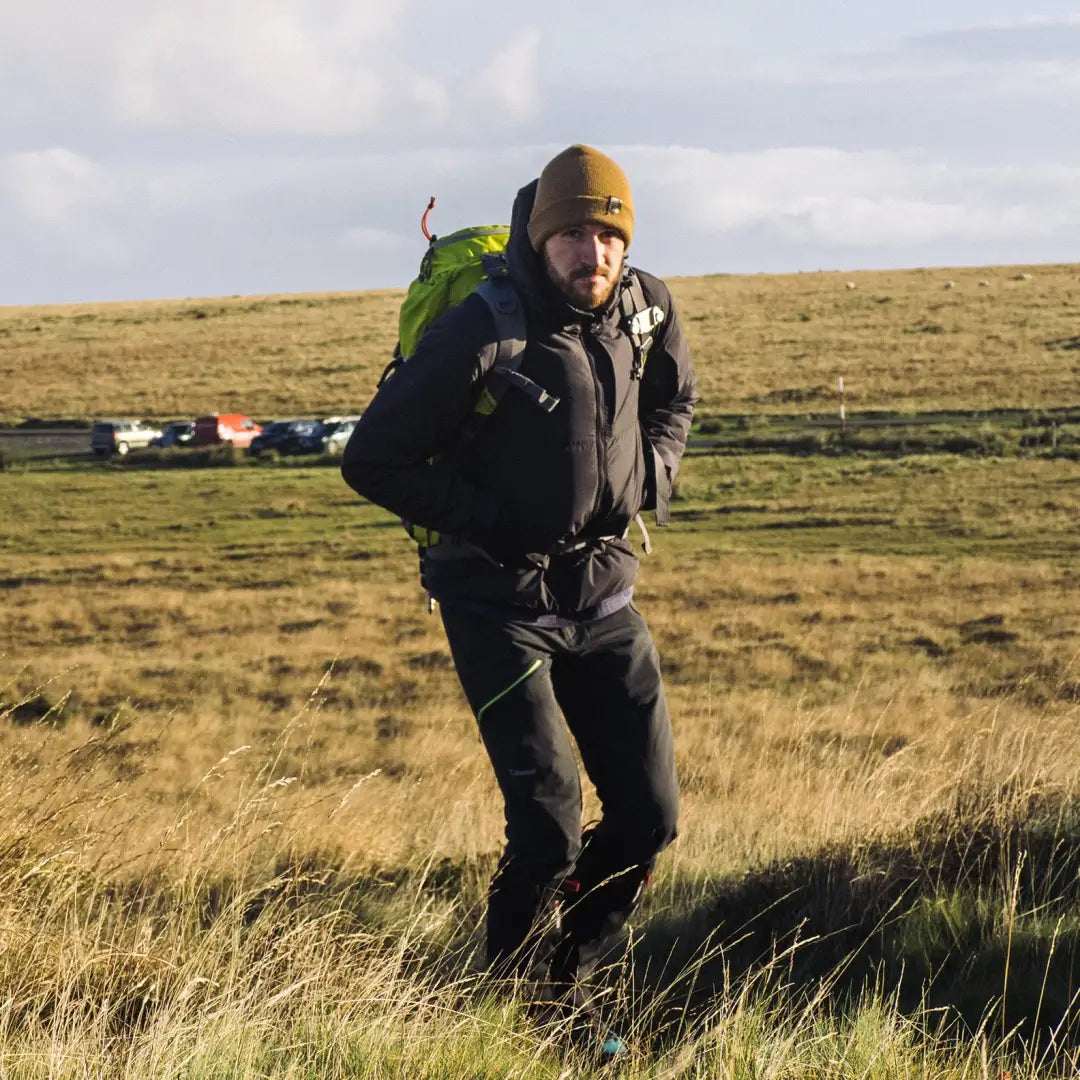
column 591, row 298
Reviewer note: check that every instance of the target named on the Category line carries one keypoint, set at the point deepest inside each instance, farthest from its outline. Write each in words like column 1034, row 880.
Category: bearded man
column 534, row 569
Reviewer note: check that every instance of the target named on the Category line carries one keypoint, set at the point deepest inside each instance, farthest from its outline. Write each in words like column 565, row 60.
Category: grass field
column 245, row 820
column 766, row 343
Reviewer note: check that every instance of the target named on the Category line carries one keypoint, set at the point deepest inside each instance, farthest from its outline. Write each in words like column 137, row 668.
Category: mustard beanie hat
column 577, row 187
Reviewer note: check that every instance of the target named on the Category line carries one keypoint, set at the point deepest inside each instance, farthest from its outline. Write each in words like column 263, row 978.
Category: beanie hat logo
column 581, row 186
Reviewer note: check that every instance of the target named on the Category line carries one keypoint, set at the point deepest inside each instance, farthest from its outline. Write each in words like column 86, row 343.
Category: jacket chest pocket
column 609, row 366
column 613, row 360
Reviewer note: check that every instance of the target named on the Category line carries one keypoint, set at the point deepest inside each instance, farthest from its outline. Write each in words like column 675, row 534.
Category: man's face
column 585, row 262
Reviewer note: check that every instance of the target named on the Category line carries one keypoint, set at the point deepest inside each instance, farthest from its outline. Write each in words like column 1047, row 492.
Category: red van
column 232, row 428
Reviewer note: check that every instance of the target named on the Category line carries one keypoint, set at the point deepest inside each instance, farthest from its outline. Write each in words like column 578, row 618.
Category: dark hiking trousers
column 554, row 903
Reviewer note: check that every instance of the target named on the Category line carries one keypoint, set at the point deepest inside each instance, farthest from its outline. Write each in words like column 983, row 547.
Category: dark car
column 331, row 435
column 283, row 436
column 178, row 433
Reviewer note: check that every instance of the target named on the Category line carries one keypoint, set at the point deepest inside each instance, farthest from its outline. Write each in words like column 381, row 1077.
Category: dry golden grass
column 766, row 343
column 268, row 356
column 899, row 339
column 836, row 616
column 245, row 819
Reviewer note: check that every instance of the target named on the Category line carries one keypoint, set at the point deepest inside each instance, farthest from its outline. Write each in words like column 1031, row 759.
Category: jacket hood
column 529, row 275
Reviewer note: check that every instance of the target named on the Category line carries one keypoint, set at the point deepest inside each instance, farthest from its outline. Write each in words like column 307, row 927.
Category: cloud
column 1032, row 39
column 301, row 221
column 105, row 210
column 1033, row 55
column 861, row 200
column 49, row 187
column 64, row 194
column 257, row 66
column 901, row 224
column 508, row 86
column 267, row 67
column 57, row 187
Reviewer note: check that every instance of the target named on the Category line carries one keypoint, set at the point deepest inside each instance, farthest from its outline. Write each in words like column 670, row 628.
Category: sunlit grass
column 246, row 823
column 763, row 344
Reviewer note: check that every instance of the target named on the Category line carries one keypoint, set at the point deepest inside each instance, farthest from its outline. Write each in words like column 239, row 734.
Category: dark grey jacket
column 530, row 484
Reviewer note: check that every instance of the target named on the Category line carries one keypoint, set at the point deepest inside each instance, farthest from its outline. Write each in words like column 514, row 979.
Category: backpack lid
column 451, row 268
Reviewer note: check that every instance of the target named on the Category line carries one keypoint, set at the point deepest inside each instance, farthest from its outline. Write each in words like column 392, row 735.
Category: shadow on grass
column 974, row 916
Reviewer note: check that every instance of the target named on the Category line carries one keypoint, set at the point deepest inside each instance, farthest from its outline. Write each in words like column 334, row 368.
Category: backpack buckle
column 645, row 321
column 494, row 264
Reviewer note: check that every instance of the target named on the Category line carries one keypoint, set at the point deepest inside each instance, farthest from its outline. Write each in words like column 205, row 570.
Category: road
column 46, row 442
column 75, row 442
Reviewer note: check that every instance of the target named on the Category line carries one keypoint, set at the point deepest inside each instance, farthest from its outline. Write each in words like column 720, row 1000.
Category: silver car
column 109, row 437
column 331, row 435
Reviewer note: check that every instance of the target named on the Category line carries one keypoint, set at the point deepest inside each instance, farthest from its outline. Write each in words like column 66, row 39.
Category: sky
column 176, row 148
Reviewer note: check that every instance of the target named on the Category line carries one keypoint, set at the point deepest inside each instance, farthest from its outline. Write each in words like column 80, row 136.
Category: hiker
column 531, row 556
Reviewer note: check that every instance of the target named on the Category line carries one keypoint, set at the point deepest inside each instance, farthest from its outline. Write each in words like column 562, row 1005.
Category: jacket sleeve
column 392, row 455
column 667, row 397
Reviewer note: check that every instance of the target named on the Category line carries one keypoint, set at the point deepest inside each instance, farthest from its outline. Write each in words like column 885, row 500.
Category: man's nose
column 593, row 251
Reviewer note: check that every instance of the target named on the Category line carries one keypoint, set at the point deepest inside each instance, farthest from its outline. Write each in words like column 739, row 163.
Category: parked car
column 283, row 436
column 232, row 428
column 330, row 437
column 178, row 433
column 119, row 436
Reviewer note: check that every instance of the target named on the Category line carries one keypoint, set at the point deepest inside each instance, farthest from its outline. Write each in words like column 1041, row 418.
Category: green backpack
column 467, row 261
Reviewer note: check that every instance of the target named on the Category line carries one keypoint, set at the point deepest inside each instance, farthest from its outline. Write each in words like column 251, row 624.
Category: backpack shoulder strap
column 498, row 292
column 640, row 319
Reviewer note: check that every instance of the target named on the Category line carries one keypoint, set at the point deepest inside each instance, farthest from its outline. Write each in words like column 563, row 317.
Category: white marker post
column 843, row 417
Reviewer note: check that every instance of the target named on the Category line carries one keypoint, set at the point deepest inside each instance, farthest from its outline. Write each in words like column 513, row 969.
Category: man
column 534, row 572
